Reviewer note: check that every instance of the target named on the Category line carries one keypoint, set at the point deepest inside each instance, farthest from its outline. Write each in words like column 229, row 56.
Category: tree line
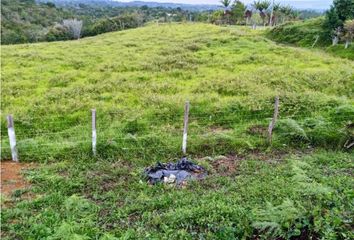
column 260, row 12
column 25, row 21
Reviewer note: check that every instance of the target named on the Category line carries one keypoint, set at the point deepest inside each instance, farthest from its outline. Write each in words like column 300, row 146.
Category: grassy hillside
column 138, row 80
column 304, row 34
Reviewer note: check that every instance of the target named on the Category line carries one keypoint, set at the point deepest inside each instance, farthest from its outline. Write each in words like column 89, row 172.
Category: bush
column 290, row 131
column 58, row 33
column 323, row 133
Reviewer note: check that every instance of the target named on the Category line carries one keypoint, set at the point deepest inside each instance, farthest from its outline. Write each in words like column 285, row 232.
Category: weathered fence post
column 94, row 134
column 274, row 120
column 12, row 137
column 185, row 127
column 316, row 40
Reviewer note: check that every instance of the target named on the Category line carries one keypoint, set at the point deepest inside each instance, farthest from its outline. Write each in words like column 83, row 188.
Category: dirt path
column 11, row 178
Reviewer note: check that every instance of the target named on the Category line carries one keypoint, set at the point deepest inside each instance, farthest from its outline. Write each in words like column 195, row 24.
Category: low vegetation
column 309, row 33
column 138, row 80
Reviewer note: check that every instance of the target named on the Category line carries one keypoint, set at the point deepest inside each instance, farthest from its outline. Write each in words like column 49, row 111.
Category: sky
column 315, row 4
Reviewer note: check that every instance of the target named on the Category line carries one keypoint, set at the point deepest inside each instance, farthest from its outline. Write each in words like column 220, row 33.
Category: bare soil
column 11, row 178
column 228, row 165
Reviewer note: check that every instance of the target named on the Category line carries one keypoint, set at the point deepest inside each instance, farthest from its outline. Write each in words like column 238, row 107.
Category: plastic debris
column 177, row 173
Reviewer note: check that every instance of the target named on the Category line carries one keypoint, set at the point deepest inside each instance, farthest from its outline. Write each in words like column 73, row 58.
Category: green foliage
column 261, row 5
column 58, row 33
column 340, row 11
column 321, row 133
column 291, row 130
column 238, row 11
column 225, row 3
column 124, row 21
column 344, row 9
column 31, row 21
column 304, row 34
column 331, row 22
column 278, row 221
column 27, row 21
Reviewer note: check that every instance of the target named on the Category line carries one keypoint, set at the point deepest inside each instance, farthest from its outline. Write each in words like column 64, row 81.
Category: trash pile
column 177, row 173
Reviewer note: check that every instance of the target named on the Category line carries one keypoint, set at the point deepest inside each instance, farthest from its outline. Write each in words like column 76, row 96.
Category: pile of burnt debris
column 174, row 173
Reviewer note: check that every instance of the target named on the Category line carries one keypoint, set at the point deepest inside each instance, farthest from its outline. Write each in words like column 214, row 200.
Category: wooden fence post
column 316, row 40
column 12, row 137
column 185, row 127
column 274, row 120
column 94, row 134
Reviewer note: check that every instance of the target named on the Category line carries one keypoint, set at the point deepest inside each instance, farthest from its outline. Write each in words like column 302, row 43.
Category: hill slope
column 304, row 34
column 138, row 80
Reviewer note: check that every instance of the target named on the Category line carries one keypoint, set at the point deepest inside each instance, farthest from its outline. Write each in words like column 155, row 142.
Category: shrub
column 323, row 133
column 291, row 131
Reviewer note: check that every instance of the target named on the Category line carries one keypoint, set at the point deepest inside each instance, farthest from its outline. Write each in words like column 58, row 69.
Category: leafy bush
column 58, row 33
column 291, row 131
column 323, row 133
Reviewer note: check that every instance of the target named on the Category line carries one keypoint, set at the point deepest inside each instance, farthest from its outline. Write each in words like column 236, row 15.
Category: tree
column 345, row 9
column 216, row 17
column 332, row 25
column 74, row 26
column 238, row 11
column 340, row 11
column 287, row 13
column 226, row 4
column 349, row 32
column 248, row 15
column 262, row 6
column 276, row 14
column 58, row 33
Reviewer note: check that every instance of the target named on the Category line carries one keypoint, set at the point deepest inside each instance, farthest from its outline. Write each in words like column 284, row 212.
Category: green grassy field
column 138, row 80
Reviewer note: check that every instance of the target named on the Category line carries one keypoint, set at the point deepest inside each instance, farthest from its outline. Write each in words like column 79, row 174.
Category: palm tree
column 275, row 12
column 261, row 6
column 288, row 13
column 226, row 4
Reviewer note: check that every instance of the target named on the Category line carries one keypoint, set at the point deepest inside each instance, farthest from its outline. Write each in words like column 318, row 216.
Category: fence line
column 269, row 115
column 33, row 134
column 102, row 130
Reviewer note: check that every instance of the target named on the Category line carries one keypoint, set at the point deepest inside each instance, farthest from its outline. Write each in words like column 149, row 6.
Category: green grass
column 138, row 80
column 304, row 34
column 310, row 195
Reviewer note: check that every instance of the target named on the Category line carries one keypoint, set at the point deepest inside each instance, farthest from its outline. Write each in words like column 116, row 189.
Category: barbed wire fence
column 103, row 134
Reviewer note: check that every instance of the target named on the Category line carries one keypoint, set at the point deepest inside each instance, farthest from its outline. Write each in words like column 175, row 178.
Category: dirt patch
column 215, row 129
column 228, row 165
column 225, row 166
column 258, row 130
column 11, row 178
